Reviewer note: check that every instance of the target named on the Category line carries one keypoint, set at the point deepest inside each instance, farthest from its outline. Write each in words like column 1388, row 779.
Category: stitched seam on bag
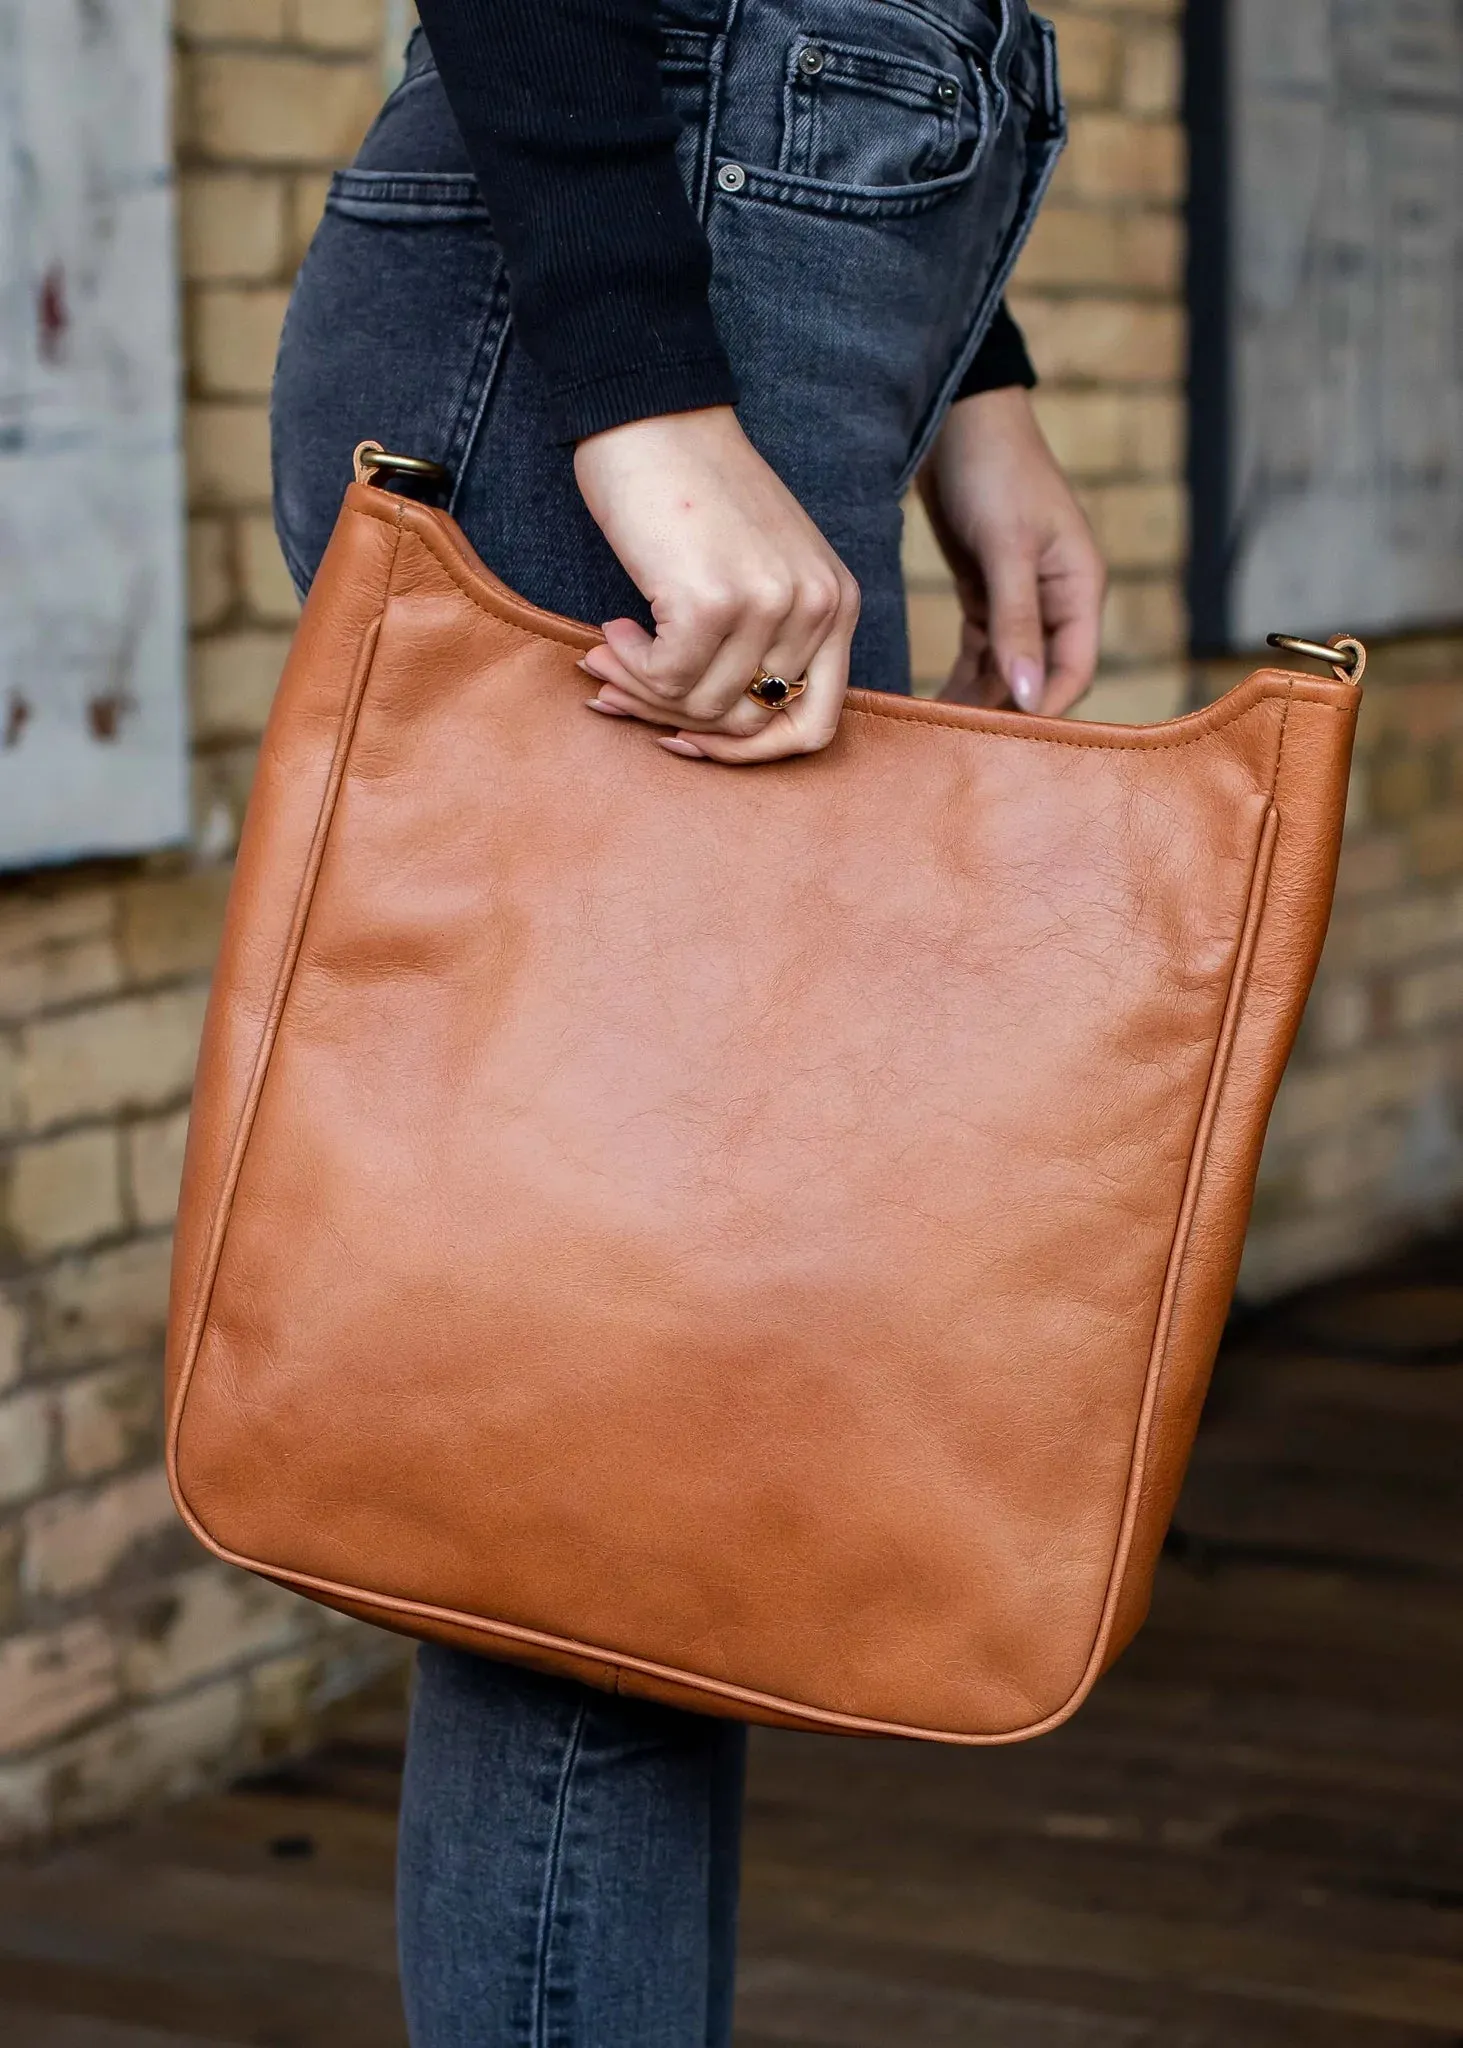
column 274, row 1017
column 1225, row 1039
column 912, row 712
column 1140, row 743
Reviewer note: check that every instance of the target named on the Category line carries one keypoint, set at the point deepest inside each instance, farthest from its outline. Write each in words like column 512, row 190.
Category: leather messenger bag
column 755, row 1239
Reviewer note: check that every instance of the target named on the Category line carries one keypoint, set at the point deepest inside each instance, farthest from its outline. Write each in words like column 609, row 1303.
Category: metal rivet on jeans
column 948, row 91
column 731, row 177
column 811, row 60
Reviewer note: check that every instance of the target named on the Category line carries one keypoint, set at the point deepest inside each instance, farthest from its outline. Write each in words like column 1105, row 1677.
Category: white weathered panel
column 93, row 745
column 1348, row 257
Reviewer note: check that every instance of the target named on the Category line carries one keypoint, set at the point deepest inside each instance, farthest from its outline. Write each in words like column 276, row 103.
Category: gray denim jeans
column 568, row 1867
column 862, row 223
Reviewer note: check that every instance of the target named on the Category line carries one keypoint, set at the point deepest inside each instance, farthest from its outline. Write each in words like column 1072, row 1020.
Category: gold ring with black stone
column 776, row 692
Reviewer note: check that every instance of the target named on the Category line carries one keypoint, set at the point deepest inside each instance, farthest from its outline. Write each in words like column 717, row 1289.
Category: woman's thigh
column 568, row 1865
column 866, row 172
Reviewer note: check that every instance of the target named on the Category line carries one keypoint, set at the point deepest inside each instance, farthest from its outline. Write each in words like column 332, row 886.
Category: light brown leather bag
column 751, row 1238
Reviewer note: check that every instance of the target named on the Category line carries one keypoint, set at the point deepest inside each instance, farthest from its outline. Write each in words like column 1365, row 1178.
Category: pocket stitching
column 885, row 78
column 405, row 196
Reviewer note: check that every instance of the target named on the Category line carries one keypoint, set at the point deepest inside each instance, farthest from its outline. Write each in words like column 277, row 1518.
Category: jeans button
column 811, row 60
column 948, row 91
column 731, row 177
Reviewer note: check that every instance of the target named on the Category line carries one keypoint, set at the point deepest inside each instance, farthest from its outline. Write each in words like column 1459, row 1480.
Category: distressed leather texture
column 757, row 1238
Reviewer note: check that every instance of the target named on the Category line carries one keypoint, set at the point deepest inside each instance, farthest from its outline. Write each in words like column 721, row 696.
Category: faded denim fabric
column 867, row 171
column 568, row 1863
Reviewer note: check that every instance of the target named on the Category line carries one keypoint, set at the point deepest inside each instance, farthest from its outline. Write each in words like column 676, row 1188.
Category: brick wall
column 129, row 1667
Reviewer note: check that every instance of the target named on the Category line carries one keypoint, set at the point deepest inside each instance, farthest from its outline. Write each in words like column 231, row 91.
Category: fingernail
column 677, row 746
column 1027, row 684
column 608, row 710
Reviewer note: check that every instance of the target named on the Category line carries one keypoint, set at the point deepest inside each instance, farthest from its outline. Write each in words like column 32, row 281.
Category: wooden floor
column 1251, row 1838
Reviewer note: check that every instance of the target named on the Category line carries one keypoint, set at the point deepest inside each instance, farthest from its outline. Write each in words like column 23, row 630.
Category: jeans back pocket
column 869, row 120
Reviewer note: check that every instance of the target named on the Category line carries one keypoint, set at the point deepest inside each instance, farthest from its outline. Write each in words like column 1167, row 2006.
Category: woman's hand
column 737, row 578
column 1029, row 573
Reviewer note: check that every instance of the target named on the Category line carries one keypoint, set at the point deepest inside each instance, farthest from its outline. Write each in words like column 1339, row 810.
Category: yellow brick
column 1087, row 50
column 169, row 924
column 1112, row 157
column 155, row 1165
column 340, row 24
column 1150, row 252
column 1437, row 845
column 10, row 1110
column 11, row 1602
column 228, row 453
column 133, row 1053
column 1338, row 1016
column 1071, row 246
column 1153, row 72
column 1100, row 249
column 934, row 634
column 284, row 1700
column 1085, row 428
column 1429, row 996
column 231, row 225
column 1372, row 866
column 1156, row 425
column 26, row 1430
column 258, row 21
column 103, row 1305
column 1383, row 1077
column 250, row 107
column 64, row 1192
column 50, row 1684
column 109, row 1418
column 306, row 205
column 1140, row 526
column 268, row 590
column 1146, row 618
column 234, row 680
column 923, row 561
column 1403, row 782
column 12, row 1341
column 1136, row 696
column 210, row 572
column 208, row 1619
column 56, row 948
column 221, row 782
column 235, row 337
column 158, row 1753
column 74, row 1542
column 1105, row 341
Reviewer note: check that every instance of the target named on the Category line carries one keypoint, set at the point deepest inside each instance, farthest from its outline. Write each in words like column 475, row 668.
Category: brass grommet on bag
column 776, row 692
column 1345, row 656
column 373, row 461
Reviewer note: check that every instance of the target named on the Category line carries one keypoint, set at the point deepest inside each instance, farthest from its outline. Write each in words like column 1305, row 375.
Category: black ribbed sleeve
column 562, row 116
column 1001, row 360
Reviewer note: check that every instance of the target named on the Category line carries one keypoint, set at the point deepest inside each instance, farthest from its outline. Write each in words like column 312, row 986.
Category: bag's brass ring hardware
column 1345, row 656
column 372, row 460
